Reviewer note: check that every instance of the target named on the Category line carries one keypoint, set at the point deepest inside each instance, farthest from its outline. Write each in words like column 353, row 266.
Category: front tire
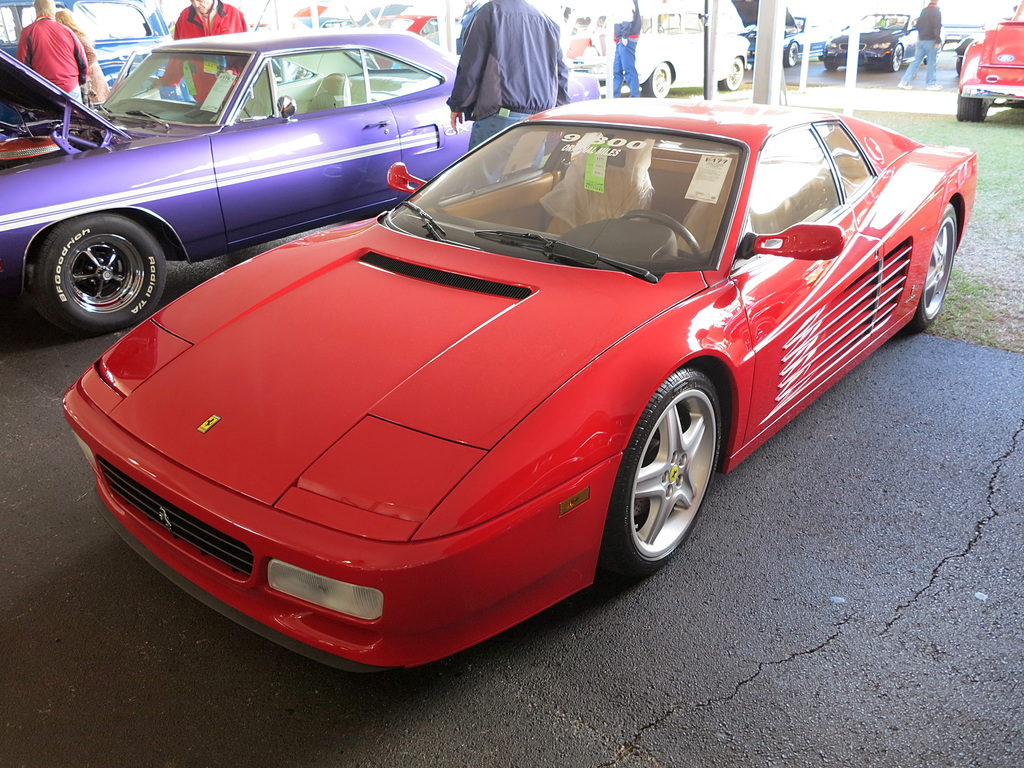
column 659, row 83
column 664, row 475
column 734, row 79
column 792, row 55
column 97, row 274
column 936, row 279
column 830, row 64
column 896, row 59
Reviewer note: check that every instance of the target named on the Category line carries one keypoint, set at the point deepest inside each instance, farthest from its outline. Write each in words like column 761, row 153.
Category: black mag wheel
column 664, row 475
column 936, row 279
column 97, row 274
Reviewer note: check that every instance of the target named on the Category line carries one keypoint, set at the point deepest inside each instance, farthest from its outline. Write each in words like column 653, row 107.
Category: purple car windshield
column 190, row 87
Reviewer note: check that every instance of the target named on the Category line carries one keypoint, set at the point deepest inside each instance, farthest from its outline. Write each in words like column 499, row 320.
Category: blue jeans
column 929, row 48
column 482, row 130
column 625, row 66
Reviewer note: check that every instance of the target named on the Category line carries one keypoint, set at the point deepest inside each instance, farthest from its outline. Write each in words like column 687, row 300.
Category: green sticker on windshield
column 593, row 178
column 190, row 83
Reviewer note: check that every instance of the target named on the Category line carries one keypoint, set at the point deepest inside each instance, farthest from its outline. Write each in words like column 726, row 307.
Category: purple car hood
column 35, row 97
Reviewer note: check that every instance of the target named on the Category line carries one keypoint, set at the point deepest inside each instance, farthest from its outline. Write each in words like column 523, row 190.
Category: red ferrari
column 382, row 444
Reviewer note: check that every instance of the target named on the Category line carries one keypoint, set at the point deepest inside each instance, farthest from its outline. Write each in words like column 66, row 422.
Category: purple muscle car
column 208, row 146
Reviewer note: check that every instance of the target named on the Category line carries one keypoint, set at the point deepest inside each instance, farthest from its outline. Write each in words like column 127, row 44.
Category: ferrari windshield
column 179, row 87
column 597, row 196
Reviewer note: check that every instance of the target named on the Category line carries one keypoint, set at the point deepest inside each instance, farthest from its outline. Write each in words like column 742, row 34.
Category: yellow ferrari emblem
column 573, row 501
column 673, row 475
column 207, row 425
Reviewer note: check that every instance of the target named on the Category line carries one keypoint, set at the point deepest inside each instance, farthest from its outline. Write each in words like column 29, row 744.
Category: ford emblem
column 1006, row 58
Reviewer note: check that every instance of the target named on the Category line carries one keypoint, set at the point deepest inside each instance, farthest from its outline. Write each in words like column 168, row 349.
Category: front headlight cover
column 339, row 596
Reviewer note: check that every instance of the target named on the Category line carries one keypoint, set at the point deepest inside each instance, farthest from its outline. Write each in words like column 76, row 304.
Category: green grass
column 968, row 315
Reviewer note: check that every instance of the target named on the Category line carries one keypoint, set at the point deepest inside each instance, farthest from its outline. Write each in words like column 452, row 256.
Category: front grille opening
column 180, row 524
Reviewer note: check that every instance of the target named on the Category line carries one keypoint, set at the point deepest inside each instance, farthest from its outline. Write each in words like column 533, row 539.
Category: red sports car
column 384, row 443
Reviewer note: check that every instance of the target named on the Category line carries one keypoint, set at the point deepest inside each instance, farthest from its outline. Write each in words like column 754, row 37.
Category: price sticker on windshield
column 709, row 180
column 593, row 178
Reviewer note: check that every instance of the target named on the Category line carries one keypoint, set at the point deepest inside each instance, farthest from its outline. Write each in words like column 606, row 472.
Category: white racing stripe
column 207, row 181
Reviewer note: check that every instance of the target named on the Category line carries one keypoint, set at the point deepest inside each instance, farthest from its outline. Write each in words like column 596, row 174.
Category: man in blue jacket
column 511, row 67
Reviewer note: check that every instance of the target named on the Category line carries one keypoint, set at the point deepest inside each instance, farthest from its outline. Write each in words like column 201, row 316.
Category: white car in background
column 670, row 51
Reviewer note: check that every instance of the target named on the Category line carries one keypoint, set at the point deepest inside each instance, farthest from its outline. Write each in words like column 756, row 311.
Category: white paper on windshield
column 707, row 183
column 219, row 92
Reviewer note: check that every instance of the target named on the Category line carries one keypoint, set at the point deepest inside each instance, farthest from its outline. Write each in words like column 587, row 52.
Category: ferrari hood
column 439, row 351
column 34, row 98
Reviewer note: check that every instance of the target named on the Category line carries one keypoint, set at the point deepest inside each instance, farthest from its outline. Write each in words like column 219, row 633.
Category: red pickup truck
column 993, row 70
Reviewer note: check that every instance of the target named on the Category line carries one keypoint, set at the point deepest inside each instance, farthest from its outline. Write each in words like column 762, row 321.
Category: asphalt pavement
column 851, row 596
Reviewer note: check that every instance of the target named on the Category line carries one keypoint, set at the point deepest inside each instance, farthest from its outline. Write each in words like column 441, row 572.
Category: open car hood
column 747, row 9
column 35, row 98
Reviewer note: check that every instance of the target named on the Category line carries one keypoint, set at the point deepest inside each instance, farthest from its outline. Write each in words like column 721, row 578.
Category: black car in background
column 886, row 41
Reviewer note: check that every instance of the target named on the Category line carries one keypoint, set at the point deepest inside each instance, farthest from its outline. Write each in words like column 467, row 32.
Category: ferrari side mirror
column 401, row 180
column 807, row 242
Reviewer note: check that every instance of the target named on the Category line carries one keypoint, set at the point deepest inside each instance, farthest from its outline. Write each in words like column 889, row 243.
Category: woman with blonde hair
column 96, row 89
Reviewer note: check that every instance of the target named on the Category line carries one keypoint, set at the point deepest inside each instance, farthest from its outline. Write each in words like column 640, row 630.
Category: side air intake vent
column 441, row 277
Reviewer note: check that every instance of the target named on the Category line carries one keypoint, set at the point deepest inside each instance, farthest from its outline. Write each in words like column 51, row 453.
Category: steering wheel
column 668, row 221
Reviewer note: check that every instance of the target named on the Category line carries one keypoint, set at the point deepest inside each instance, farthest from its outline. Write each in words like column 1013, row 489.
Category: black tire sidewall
column 52, row 275
column 618, row 551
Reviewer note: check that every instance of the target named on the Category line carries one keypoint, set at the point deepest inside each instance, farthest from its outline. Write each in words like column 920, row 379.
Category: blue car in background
column 119, row 28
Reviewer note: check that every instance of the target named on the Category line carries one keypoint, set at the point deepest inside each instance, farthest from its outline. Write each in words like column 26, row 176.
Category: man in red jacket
column 204, row 18
column 52, row 50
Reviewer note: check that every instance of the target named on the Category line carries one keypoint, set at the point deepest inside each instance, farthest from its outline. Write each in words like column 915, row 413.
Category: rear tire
column 664, row 475
column 970, row 110
column 936, row 279
column 734, row 79
column 659, row 83
column 97, row 274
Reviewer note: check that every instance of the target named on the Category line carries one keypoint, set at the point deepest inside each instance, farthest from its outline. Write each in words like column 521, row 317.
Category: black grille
column 207, row 539
column 441, row 277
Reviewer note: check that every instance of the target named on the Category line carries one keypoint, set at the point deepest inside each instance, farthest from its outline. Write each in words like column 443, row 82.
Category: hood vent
column 451, row 279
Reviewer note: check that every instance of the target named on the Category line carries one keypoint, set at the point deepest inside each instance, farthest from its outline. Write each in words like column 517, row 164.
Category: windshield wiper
column 562, row 252
column 140, row 113
column 433, row 228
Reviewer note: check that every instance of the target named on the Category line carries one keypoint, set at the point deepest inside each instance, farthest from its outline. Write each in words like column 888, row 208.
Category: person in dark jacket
column 205, row 18
column 52, row 50
column 624, row 67
column 929, row 40
column 511, row 67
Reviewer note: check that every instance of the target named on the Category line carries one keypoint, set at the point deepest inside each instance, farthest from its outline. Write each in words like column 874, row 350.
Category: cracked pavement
column 851, row 595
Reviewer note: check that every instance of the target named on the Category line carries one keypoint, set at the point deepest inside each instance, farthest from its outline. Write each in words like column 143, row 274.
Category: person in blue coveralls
column 624, row 67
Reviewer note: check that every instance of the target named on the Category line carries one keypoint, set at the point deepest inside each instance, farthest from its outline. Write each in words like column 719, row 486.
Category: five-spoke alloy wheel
column 664, row 475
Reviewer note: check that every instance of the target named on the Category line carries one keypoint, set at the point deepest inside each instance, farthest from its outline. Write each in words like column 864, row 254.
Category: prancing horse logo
column 163, row 517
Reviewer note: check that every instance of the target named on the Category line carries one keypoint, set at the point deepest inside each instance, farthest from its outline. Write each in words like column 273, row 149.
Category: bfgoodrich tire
column 664, row 475
column 936, row 279
column 98, row 274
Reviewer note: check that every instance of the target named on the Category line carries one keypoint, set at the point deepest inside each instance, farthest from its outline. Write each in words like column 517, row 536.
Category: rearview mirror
column 401, row 180
column 807, row 242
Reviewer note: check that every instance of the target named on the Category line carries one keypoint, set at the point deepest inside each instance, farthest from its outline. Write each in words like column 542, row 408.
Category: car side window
column 793, row 183
column 390, row 78
column 259, row 104
column 8, row 30
column 112, row 21
column 853, row 169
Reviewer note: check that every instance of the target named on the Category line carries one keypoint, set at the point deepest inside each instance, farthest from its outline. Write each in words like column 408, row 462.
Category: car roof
column 747, row 123
column 270, row 42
